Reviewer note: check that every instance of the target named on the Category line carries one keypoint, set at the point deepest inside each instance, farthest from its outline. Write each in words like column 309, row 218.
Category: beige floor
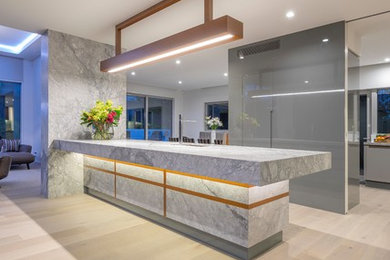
column 81, row 227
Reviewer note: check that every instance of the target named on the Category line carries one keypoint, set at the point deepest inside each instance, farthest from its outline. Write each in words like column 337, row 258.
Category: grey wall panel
column 269, row 105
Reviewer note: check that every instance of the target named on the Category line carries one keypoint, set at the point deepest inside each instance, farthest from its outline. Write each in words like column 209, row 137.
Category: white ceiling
column 374, row 36
column 263, row 19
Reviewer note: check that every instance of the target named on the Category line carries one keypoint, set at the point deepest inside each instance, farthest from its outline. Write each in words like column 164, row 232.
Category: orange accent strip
column 165, row 193
column 267, row 200
column 194, row 193
column 205, row 196
column 115, row 179
column 211, row 179
column 140, row 180
column 226, row 201
column 177, row 172
column 98, row 169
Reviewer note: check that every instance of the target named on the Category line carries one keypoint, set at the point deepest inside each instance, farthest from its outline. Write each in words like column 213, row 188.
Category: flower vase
column 213, row 136
column 105, row 132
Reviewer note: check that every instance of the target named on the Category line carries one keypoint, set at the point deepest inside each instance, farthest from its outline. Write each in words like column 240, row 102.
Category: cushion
column 19, row 157
column 10, row 146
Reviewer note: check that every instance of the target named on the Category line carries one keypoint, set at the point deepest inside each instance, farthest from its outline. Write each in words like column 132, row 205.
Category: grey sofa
column 24, row 155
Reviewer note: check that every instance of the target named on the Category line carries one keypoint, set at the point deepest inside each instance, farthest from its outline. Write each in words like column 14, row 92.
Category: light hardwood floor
column 81, row 227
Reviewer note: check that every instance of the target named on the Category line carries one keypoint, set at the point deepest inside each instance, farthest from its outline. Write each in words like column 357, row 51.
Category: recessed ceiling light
column 325, row 40
column 133, row 73
column 178, row 61
column 290, row 14
column 225, row 74
column 387, row 59
column 306, row 82
column 240, row 55
column 180, row 82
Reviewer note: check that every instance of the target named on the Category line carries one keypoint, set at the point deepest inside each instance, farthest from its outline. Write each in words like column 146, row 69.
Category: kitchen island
column 376, row 169
column 233, row 198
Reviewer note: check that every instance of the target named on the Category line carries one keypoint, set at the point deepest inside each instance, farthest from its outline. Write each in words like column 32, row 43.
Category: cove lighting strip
column 21, row 46
column 174, row 52
column 300, row 93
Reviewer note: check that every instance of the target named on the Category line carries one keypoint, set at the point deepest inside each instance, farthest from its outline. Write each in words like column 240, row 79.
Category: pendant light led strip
column 213, row 32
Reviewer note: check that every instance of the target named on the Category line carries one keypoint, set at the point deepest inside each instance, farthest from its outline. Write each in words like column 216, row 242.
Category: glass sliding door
column 9, row 110
column 156, row 111
column 136, row 117
column 159, row 119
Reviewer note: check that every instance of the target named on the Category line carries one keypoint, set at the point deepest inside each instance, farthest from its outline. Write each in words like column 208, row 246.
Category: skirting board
column 222, row 245
column 377, row 184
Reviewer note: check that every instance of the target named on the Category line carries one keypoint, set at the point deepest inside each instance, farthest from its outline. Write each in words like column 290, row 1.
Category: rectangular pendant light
column 212, row 33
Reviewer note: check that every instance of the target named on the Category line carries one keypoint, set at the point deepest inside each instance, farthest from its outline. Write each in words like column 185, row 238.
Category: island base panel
column 240, row 219
column 218, row 243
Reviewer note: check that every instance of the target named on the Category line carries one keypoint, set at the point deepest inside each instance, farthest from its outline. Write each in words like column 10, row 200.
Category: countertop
column 251, row 165
column 377, row 144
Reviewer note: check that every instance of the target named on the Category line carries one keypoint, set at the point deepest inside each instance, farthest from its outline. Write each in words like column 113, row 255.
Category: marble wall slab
column 225, row 221
column 72, row 82
column 140, row 172
column 99, row 181
column 108, row 165
column 267, row 220
column 65, row 174
column 217, row 189
column 241, row 214
column 257, row 193
column 142, row 194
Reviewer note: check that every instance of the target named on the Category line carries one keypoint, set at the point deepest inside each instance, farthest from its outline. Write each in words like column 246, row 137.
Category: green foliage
column 102, row 116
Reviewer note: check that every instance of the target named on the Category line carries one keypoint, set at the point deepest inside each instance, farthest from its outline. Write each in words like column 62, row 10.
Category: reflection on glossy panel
column 293, row 96
column 353, row 132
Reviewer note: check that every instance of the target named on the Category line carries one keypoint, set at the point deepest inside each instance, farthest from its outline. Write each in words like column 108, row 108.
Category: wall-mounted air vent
column 258, row 48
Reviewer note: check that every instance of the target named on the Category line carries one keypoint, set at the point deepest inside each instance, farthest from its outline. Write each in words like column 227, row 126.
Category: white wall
column 31, row 106
column 11, row 69
column 373, row 76
column 176, row 95
column 194, row 107
column 27, row 101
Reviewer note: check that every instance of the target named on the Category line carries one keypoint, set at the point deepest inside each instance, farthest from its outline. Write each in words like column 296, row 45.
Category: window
column 135, row 117
column 221, row 110
column 383, row 110
column 9, row 110
column 156, row 111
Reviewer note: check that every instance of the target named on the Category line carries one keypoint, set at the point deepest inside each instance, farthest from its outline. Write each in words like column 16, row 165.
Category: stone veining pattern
column 140, row 172
column 99, row 181
column 73, row 83
column 251, row 165
column 144, row 195
column 238, row 223
column 225, row 221
column 65, row 174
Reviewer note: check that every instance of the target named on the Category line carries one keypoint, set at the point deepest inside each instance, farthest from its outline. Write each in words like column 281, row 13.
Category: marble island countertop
column 251, row 165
